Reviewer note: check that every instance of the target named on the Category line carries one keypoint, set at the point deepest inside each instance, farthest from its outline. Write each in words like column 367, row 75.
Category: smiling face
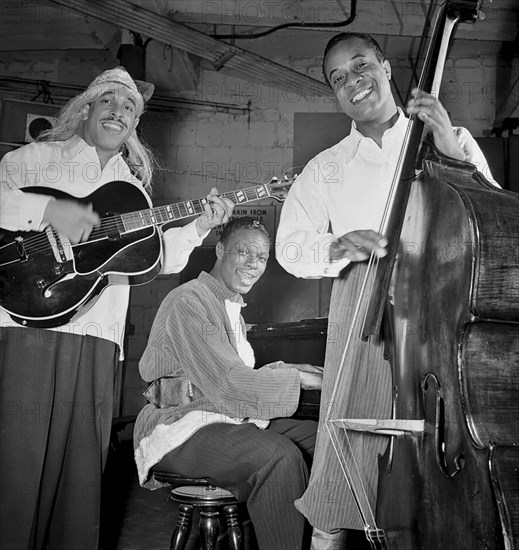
column 241, row 260
column 110, row 119
column 360, row 82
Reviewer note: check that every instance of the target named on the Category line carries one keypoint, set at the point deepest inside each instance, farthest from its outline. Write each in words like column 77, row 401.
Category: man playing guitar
column 57, row 386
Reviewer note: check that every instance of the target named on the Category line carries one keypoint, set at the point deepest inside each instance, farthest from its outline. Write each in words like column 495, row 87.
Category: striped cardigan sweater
column 193, row 339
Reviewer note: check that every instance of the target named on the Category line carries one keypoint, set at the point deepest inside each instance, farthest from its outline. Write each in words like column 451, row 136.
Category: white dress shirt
column 73, row 166
column 342, row 189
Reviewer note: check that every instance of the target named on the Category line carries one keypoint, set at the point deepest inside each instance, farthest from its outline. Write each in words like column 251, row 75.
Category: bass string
column 360, row 302
column 355, row 484
column 369, row 280
column 366, row 291
column 350, row 469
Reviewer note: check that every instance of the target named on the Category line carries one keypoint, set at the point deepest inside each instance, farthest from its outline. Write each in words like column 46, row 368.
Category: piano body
column 296, row 342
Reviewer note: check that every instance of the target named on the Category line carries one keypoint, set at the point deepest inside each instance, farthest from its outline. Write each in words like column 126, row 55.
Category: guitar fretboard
column 162, row 214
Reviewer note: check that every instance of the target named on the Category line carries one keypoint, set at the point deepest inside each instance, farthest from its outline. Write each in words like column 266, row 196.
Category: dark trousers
column 56, row 396
column 267, row 469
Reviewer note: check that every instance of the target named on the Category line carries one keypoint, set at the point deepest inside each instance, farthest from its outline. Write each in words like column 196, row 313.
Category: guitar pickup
column 113, row 234
column 114, row 230
column 60, row 244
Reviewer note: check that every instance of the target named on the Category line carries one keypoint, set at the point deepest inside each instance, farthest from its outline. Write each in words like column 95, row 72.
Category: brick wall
column 245, row 146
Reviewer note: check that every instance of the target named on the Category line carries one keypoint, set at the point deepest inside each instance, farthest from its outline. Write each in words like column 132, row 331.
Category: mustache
column 114, row 118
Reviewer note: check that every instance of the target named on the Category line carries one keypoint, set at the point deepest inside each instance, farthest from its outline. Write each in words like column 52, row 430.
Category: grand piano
column 296, row 342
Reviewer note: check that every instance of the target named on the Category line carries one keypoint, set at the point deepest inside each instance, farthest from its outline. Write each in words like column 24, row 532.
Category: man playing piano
column 214, row 415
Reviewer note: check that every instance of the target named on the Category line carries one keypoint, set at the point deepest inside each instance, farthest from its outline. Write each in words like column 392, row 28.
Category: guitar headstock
column 278, row 188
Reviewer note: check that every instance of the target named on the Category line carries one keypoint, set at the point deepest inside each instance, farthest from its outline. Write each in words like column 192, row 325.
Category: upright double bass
column 446, row 298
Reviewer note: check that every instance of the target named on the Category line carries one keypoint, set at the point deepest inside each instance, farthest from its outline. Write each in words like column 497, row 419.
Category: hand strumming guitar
column 71, row 218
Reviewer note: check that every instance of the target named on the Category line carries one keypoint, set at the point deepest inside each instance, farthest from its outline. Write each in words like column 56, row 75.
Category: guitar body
column 42, row 285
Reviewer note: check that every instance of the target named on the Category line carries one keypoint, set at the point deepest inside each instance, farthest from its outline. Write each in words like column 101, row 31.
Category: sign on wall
column 265, row 214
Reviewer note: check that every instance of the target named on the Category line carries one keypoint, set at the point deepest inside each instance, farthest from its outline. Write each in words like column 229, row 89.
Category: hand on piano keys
column 302, row 367
column 311, row 380
column 311, row 376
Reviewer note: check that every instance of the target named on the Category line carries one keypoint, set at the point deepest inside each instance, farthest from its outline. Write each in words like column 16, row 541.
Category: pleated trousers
column 363, row 390
column 267, row 469
column 56, row 399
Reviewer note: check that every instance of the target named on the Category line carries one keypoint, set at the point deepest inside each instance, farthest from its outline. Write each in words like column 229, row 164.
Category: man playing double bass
column 330, row 218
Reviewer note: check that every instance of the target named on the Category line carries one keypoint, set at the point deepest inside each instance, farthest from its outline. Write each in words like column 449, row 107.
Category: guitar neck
column 178, row 211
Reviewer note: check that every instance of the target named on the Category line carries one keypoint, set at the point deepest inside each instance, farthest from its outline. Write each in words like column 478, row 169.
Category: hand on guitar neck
column 71, row 218
column 217, row 211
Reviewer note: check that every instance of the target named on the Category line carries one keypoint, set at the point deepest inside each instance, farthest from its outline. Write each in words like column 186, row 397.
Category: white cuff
column 32, row 209
column 191, row 234
column 332, row 269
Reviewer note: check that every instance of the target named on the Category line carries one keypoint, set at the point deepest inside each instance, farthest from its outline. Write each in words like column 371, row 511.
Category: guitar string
column 172, row 212
column 38, row 242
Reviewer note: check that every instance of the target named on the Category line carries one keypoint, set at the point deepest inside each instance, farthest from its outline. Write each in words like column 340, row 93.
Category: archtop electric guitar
column 45, row 280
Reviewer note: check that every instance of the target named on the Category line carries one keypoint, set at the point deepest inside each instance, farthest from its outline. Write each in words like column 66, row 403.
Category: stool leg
column 179, row 538
column 233, row 527
column 209, row 527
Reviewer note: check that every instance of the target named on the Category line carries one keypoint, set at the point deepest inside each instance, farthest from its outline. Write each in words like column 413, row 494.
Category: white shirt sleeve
column 179, row 242
column 473, row 153
column 303, row 237
column 21, row 211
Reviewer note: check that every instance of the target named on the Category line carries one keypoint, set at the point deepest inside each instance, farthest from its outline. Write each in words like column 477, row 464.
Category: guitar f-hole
column 48, row 292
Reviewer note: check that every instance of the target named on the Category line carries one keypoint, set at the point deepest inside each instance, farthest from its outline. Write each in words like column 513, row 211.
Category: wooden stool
column 198, row 492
